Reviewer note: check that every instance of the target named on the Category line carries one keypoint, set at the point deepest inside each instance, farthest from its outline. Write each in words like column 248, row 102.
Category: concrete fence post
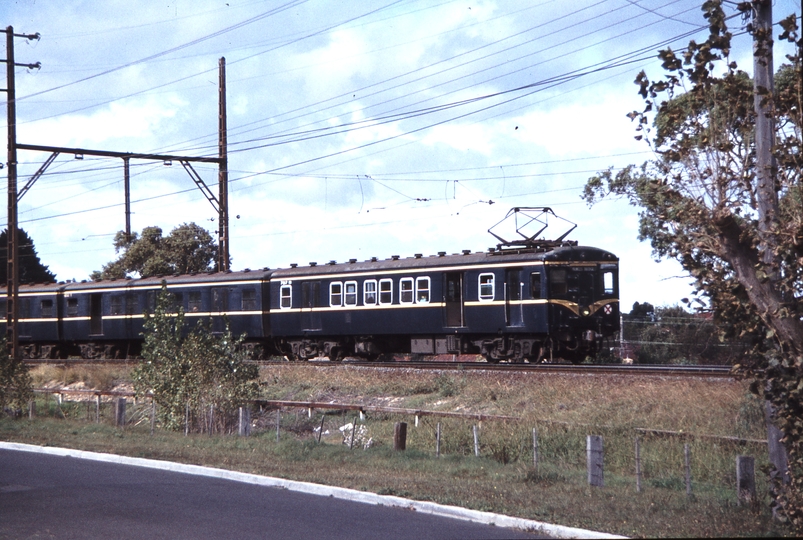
column 119, row 412
column 535, row 449
column 745, row 479
column 476, row 441
column 595, row 459
column 244, row 427
column 687, row 463
column 153, row 415
column 638, row 465
column 400, row 436
column 438, row 440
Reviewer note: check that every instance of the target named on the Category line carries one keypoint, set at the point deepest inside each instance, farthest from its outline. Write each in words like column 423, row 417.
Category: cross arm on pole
column 109, row 153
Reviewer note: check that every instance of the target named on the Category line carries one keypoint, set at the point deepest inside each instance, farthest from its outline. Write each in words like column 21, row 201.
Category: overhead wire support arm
column 37, row 175
column 201, row 185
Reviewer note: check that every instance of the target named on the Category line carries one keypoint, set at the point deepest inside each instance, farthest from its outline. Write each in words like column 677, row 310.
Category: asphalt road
column 45, row 496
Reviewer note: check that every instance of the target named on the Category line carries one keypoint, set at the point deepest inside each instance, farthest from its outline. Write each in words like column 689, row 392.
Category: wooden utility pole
column 127, row 189
column 766, row 167
column 12, row 276
column 766, row 187
column 223, row 173
column 12, row 266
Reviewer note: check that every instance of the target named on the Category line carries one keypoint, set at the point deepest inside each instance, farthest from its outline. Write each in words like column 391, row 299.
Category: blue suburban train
column 541, row 301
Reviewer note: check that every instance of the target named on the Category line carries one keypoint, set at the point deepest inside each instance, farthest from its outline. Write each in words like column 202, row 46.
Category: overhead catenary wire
column 270, row 174
column 573, row 75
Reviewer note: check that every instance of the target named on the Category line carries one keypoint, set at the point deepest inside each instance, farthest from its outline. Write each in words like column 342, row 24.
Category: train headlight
column 585, row 312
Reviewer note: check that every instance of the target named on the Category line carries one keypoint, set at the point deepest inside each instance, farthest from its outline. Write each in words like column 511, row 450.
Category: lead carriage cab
column 528, row 299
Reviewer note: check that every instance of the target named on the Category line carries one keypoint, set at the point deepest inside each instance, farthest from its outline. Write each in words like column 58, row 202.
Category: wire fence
column 641, row 458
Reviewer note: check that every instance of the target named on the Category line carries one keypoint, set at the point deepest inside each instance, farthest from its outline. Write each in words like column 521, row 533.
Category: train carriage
column 525, row 300
column 104, row 319
column 503, row 304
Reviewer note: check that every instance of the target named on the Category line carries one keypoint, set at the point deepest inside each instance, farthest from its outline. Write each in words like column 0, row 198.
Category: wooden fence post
column 278, row 422
column 97, row 408
column 187, row 420
column 353, row 433
column 320, row 431
column 244, row 428
column 745, row 479
column 438, row 440
column 687, row 461
column 595, row 459
column 638, row 465
column 31, row 409
column 399, row 436
column 476, row 441
column 119, row 412
column 535, row 449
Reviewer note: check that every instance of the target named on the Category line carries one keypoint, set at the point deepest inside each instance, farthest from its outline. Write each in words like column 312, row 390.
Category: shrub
column 192, row 370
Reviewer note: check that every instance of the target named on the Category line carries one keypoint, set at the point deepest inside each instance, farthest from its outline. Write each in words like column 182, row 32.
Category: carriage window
column 194, row 302
column 351, row 293
column 25, row 308
column 150, row 301
column 609, row 282
column 385, row 291
column 178, row 301
column 220, row 299
column 557, row 282
column 116, row 305
column 422, row 290
column 249, row 300
column 486, row 287
column 406, row 290
column 286, row 295
column 535, row 285
column 336, row 294
column 72, row 307
column 130, row 303
column 369, row 292
column 47, row 308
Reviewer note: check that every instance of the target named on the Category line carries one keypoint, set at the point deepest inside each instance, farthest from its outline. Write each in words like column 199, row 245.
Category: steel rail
column 582, row 369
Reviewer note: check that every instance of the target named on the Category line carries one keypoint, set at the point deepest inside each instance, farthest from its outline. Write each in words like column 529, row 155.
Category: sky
column 355, row 129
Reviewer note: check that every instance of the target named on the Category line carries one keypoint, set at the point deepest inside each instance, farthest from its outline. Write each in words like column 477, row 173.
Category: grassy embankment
column 564, row 409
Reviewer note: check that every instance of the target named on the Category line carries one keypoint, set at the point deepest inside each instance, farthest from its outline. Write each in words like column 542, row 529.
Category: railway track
column 584, row 369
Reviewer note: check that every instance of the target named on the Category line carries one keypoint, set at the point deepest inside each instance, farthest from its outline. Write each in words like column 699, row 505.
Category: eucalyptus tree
column 701, row 202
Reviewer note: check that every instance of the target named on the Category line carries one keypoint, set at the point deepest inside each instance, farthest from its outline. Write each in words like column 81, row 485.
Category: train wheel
column 490, row 359
column 336, row 354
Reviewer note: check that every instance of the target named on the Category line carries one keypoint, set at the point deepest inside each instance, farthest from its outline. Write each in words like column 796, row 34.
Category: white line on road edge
column 455, row 512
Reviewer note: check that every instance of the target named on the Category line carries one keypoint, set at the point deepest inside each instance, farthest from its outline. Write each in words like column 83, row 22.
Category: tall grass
column 563, row 408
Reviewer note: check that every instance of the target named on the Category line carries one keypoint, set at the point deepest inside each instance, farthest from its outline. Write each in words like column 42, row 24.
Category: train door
column 513, row 294
column 220, row 305
column 310, row 299
column 453, row 298
column 96, row 314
